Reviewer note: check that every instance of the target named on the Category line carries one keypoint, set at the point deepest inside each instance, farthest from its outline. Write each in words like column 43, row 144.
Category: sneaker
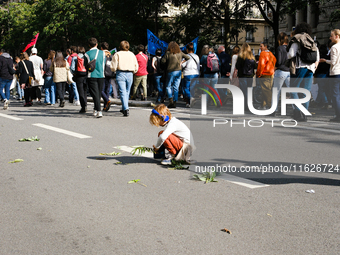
column 187, row 105
column 76, row 103
column 107, row 106
column 126, row 113
column 6, row 103
column 48, row 104
column 166, row 162
column 62, row 104
column 95, row 113
column 82, row 110
column 39, row 102
column 99, row 114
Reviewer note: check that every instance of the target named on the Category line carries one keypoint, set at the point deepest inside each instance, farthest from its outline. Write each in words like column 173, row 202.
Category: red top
column 142, row 60
column 69, row 60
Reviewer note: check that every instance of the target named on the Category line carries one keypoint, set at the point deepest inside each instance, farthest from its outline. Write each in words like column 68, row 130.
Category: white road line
column 227, row 177
column 63, row 131
column 9, row 117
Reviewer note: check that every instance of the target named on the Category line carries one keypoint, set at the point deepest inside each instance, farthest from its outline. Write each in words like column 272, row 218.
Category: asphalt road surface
column 66, row 198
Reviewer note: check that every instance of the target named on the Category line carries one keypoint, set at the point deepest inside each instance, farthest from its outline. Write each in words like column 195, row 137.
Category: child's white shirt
column 178, row 128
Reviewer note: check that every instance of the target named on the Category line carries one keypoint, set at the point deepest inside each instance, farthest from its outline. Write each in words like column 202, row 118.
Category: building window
column 250, row 35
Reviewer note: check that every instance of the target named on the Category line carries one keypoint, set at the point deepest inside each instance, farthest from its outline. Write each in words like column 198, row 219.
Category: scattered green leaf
column 206, row 177
column 118, row 162
column 39, row 149
column 110, row 154
column 140, row 150
column 29, row 139
column 137, row 181
column 16, row 161
column 177, row 165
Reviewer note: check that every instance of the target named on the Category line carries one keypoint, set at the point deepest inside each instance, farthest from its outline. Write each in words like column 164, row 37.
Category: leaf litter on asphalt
column 110, row 154
column 16, row 161
column 137, row 181
column 29, row 139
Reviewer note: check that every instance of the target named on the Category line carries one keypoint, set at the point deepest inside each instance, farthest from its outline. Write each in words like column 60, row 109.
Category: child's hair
column 155, row 119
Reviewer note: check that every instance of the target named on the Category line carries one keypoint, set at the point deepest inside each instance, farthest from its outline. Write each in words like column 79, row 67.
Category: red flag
column 33, row 42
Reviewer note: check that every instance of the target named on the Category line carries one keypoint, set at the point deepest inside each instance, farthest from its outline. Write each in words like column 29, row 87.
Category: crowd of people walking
column 170, row 74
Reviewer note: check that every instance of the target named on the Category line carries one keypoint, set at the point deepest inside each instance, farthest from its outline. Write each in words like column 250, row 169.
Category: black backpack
column 159, row 66
column 248, row 67
column 107, row 70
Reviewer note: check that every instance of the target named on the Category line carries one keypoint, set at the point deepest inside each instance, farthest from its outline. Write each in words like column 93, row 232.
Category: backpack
column 248, row 67
column 308, row 54
column 107, row 70
column 212, row 63
column 80, row 68
column 159, row 68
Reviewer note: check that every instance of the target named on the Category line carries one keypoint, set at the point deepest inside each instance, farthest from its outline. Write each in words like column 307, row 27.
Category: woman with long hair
column 173, row 59
column 60, row 68
column 125, row 64
column 245, row 66
column 25, row 71
column 49, row 84
column 233, row 73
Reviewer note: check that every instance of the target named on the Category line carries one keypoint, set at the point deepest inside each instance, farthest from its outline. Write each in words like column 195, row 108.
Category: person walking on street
column 60, row 69
column 96, row 78
column 38, row 73
column 282, row 74
column 191, row 70
column 25, row 71
column 108, row 76
column 173, row 59
column 6, row 76
column 265, row 71
column 78, row 68
column 125, row 64
column 302, row 66
column 141, row 76
column 334, row 72
column 159, row 75
column 49, row 84
column 73, row 91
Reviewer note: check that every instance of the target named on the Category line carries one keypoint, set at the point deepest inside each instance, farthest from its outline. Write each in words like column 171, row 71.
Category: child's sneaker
column 166, row 161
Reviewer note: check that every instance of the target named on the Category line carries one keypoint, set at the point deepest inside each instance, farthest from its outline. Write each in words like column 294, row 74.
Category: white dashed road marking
column 63, row 131
column 9, row 117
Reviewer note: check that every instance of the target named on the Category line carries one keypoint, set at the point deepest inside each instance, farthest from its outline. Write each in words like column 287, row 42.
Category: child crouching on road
column 176, row 137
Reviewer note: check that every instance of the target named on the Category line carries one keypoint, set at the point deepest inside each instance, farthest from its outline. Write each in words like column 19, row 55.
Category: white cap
column 34, row 51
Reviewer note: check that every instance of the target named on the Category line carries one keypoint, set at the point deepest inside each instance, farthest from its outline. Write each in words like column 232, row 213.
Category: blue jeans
column 302, row 79
column 335, row 89
column 50, row 90
column 74, row 92
column 188, row 85
column 245, row 83
column 20, row 91
column 324, row 96
column 173, row 80
column 124, row 80
column 280, row 77
column 211, row 79
column 5, row 84
column 159, row 86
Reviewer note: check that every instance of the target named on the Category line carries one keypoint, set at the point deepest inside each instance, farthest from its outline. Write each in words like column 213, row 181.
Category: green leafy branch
column 141, row 150
column 29, row 139
column 206, row 177
column 137, row 181
column 177, row 165
column 111, row 154
column 16, row 161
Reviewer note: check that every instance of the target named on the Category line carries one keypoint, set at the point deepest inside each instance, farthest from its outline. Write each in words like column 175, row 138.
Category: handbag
column 235, row 80
column 92, row 64
column 69, row 77
column 30, row 78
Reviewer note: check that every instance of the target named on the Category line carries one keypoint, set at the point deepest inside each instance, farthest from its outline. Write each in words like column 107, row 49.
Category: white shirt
column 335, row 60
column 190, row 66
column 233, row 64
column 178, row 128
column 37, row 62
column 299, row 63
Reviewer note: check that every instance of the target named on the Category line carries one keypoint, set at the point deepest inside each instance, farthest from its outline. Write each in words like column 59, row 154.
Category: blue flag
column 154, row 43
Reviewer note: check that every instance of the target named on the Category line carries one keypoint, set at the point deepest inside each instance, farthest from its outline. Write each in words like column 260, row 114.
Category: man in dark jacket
column 6, row 76
column 225, row 67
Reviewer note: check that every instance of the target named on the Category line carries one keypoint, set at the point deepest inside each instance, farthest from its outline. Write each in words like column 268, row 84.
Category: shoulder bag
column 30, row 78
column 92, row 64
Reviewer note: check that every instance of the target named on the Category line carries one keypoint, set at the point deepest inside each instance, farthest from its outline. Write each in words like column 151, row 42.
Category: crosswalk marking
column 9, row 117
column 227, row 177
column 63, row 131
